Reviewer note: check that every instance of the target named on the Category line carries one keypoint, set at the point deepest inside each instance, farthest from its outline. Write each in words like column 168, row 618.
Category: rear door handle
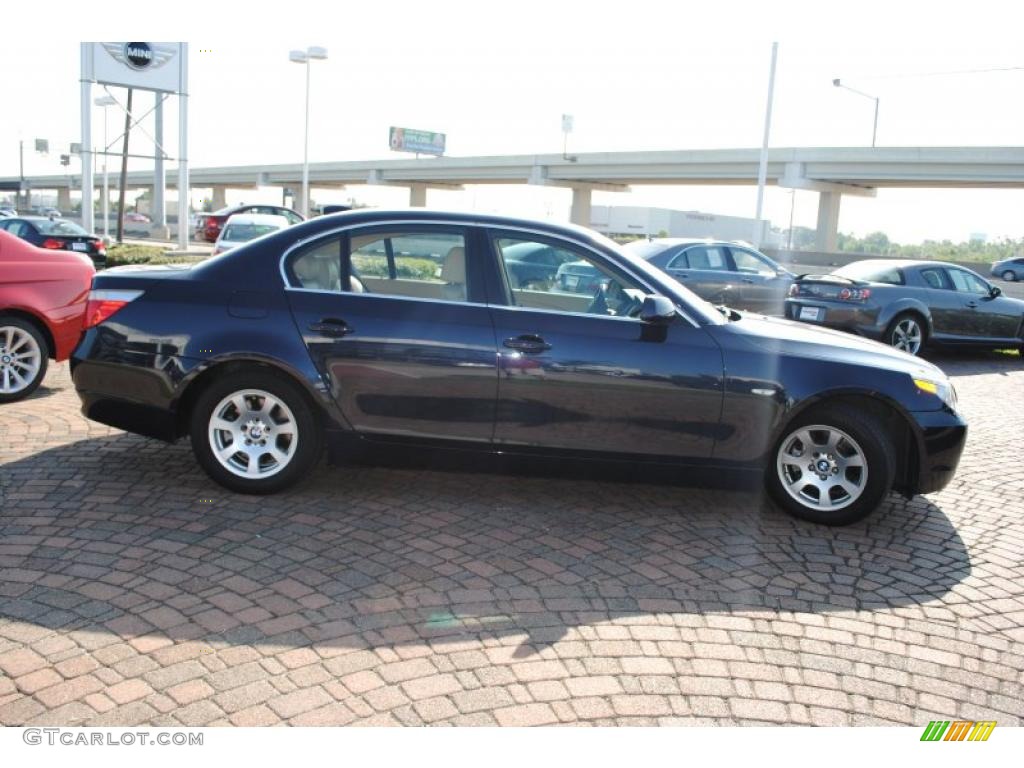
column 529, row 342
column 331, row 326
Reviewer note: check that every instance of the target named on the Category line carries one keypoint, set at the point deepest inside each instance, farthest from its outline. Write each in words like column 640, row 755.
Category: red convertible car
column 44, row 295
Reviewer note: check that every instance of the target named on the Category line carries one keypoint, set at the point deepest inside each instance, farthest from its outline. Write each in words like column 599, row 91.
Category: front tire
column 255, row 432
column 24, row 355
column 907, row 332
column 832, row 466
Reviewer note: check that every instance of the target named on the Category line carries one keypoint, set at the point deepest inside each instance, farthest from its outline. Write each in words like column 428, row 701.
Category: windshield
column 241, row 233
column 703, row 310
column 58, row 227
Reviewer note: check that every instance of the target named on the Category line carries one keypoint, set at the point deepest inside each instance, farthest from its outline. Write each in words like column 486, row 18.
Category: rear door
column 946, row 307
column 705, row 270
column 395, row 320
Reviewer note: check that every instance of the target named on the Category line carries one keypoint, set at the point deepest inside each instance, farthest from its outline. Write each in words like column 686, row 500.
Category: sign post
column 158, row 67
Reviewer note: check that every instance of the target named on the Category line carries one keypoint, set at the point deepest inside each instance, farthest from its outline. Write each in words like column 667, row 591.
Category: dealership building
column 643, row 221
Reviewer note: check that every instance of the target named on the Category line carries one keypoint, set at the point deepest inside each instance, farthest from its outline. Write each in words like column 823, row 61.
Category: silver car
column 1009, row 269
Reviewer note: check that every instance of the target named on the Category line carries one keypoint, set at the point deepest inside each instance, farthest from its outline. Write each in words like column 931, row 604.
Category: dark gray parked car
column 908, row 304
column 720, row 272
column 1009, row 269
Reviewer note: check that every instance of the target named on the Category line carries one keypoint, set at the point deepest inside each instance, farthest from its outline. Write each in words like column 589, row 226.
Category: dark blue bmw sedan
column 406, row 328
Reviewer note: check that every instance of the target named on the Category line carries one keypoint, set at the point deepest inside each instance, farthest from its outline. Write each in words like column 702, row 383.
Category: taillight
column 103, row 304
column 854, row 294
column 101, row 249
column 794, row 290
column 53, row 244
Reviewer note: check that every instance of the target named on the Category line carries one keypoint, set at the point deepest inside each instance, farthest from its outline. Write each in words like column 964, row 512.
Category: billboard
column 150, row 66
column 412, row 140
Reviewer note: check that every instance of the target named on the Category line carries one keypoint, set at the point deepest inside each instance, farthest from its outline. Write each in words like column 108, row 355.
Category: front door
column 581, row 372
column 394, row 319
column 761, row 288
column 986, row 316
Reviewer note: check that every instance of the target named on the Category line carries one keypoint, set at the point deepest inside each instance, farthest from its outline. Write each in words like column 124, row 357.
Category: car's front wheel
column 24, row 355
column 255, row 432
column 832, row 466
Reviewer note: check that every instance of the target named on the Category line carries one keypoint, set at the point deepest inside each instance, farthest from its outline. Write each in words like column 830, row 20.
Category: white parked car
column 243, row 227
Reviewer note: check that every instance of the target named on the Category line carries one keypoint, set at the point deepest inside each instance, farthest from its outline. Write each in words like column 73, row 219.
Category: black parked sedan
column 57, row 234
column 908, row 304
column 374, row 326
column 720, row 272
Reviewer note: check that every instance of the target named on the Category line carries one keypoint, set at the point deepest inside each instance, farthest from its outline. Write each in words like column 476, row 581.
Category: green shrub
column 405, row 267
column 119, row 255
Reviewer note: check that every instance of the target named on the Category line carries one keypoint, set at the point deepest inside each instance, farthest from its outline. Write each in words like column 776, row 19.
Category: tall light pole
column 874, row 130
column 105, row 101
column 762, row 167
column 305, row 57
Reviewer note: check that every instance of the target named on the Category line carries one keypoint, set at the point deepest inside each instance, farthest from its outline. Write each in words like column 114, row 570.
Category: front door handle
column 748, row 279
column 972, row 304
column 331, row 326
column 529, row 342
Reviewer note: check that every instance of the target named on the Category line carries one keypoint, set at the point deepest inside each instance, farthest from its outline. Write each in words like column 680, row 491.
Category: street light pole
column 306, row 57
column 837, row 82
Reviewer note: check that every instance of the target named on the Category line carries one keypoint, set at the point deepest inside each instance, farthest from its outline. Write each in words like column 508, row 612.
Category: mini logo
column 959, row 730
column 138, row 55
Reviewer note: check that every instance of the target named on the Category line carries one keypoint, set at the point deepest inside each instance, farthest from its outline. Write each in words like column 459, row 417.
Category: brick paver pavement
column 134, row 591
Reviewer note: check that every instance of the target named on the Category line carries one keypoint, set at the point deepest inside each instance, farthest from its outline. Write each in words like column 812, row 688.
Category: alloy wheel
column 20, row 359
column 907, row 335
column 822, row 467
column 253, row 434
column 1009, row 276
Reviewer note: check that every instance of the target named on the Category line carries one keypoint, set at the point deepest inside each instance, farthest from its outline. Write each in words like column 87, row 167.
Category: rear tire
column 255, row 432
column 833, row 466
column 908, row 332
column 1009, row 276
column 24, row 356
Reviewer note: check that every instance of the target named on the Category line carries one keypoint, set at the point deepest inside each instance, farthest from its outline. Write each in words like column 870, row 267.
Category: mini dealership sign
column 152, row 66
column 412, row 140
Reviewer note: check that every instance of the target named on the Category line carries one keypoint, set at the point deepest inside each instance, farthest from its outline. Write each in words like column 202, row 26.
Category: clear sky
column 497, row 77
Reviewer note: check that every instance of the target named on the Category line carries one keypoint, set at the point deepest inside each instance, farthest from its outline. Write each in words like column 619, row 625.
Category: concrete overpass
column 832, row 172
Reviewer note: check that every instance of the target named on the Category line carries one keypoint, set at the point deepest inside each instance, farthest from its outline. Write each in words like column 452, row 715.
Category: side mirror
column 657, row 310
column 994, row 291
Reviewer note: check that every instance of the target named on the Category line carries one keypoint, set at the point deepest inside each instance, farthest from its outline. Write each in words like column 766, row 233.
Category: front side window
column 965, row 282
column 582, row 284
column 750, row 263
column 424, row 265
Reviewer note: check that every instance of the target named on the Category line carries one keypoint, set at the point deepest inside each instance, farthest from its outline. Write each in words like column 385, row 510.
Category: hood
column 796, row 339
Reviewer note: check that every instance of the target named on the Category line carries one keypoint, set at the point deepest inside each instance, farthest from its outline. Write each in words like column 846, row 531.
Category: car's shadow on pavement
column 124, row 537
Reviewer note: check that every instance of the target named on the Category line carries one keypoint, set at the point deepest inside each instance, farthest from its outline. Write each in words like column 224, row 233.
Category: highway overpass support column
column 418, row 196
column 63, row 199
column 827, row 236
column 580, row 212
column 220, row 197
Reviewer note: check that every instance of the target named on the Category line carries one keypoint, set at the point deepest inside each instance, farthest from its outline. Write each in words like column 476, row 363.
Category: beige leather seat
column 453, row 274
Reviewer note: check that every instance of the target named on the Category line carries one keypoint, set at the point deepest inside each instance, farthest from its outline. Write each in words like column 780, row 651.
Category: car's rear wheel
column 907, row 332
column 24, row 355
column 1009, row 275
column 833, row 466
column 255, row 432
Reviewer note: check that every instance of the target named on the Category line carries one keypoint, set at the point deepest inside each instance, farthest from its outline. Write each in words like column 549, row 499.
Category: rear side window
column 935, row 278
column 701, row 257
column 418, row 265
